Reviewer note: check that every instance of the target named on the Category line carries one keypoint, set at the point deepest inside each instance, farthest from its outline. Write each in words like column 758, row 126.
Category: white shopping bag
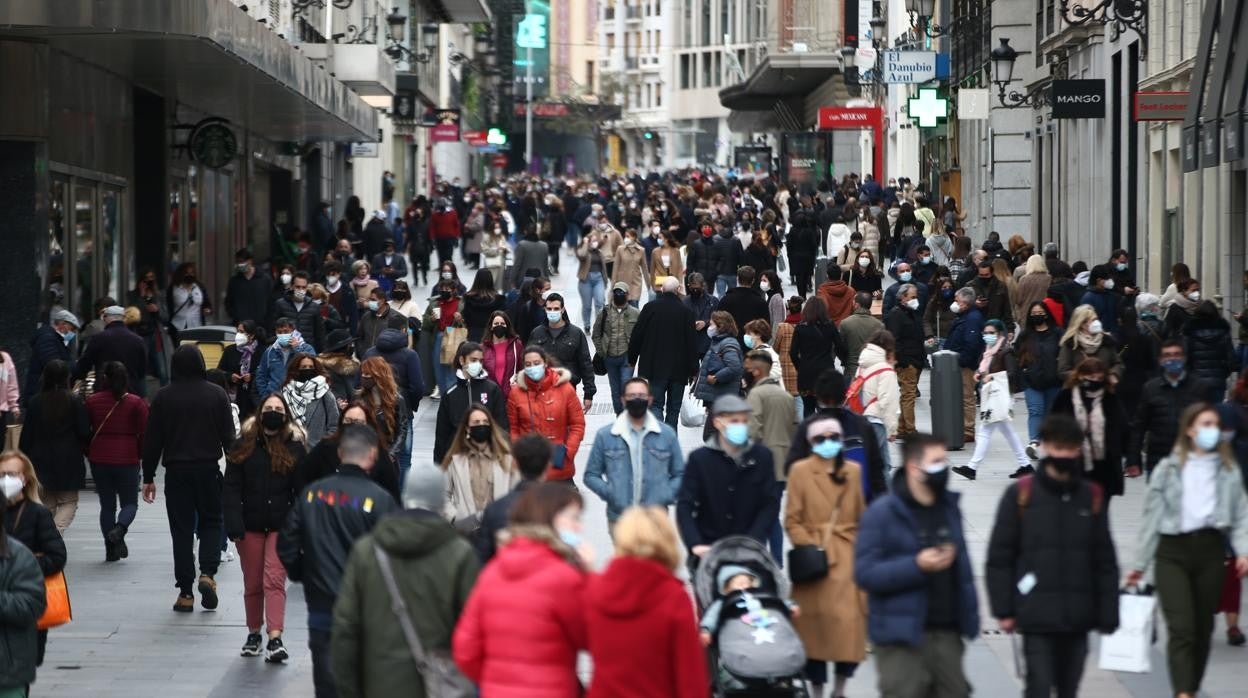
column 691, row 412
column 995, row 401
column 1129, row 648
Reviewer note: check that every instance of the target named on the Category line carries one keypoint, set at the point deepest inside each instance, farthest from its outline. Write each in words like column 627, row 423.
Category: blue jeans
column 404, row 455
column 668, row 396
column 723, row 282
column 443, row 374
column 776, row 539
column 593, row 292
column 799, row 406
column 618, row 372
column 881, row 438
column 1039, row 402
column 116, row 484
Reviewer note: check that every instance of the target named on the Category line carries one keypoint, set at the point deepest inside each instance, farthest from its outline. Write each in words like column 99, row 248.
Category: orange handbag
column 58, row 611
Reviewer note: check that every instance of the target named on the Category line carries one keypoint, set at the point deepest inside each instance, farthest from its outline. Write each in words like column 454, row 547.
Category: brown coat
column 839, row 297
column 1031, row 288
column 833, row 618
column 630, row 267
column 658, row 269
column 781, row 343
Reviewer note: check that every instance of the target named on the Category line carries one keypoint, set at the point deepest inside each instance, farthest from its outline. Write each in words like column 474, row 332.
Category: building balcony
column 631, row 63
column 633, row 13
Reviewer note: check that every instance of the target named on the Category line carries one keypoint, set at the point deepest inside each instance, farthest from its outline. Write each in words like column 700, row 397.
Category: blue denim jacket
column 610, row 475
column 271, row 372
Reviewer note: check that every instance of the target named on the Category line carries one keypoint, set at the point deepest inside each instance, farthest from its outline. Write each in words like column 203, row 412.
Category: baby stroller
column 756, row 651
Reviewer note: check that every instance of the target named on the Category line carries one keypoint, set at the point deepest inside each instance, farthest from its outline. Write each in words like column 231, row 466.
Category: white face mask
column 913, row 304
column 10, row 485
column 764, row 286
column 1194, row 296
column 955, row 308
column 1095, row 327
column 331, row 280
column 864, row 262
column 1109, row 284
column 240, row 339
column 286, row 279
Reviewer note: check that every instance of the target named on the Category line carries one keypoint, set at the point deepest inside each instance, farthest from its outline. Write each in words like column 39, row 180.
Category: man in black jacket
column 306, row 313
column 1052, row 573
column 1161, row 403
column 860, row 442
column 328, row 516
column 247, row 295
column 52, row 342
column 993, row 297
column 531, row 454
column 189, row 427
column 664, row 347
column 376, row 233
column 724, row 258
column 116, row 343
column 905, row 322
column 744, row 302
column 701, row 302
column 567, row 343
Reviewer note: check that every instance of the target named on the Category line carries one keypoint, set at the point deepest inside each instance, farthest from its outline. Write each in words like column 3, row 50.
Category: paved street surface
column 126, row 642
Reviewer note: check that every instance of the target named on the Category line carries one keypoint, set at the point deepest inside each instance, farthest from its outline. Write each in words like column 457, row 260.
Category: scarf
column 1093, row 424
column 300, row 394
column 1185, row 303
column 1089, row 343
column 357, row 281
column 985, row 364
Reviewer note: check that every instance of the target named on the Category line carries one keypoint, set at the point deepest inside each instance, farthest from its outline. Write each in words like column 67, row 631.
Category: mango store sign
column 909, row 66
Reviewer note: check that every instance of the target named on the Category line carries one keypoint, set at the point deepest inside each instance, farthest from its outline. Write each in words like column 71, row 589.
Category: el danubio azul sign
column 909, row 66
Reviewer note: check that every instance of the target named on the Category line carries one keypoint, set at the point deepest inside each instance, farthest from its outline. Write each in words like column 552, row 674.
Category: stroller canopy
column 738, row 550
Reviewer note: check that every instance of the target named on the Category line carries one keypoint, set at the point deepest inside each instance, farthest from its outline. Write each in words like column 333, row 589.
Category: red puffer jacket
column 549, row 407
column 444, row 225
column 643, row 634
column 524, row 622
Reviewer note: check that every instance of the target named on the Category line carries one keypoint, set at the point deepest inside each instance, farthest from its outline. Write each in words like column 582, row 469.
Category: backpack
column 853, row 400
column 1024, row 495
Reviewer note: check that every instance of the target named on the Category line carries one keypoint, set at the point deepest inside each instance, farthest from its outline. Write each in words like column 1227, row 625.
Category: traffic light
column 648, row 135
column 495, row 136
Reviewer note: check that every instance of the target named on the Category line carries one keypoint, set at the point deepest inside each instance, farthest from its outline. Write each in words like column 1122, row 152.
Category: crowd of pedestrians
column 297, row 446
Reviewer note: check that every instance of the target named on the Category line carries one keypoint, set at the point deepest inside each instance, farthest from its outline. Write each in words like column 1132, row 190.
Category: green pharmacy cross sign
column 928, row 108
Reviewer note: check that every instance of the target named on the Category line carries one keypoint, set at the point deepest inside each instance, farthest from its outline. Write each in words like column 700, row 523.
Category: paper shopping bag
column 1128, row 649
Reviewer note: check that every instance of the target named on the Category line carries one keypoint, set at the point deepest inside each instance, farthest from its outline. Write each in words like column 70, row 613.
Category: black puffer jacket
column 907, row 328
column 256, row 498
column 22, row 601
column 804, row 236
column 1058, row 538
column 454, row 405
column 33, row 525
column 1210, row 352
column 1157, row 415
column 56, row 445
column 329, row 515
column 1037, row 358
column 725, row 254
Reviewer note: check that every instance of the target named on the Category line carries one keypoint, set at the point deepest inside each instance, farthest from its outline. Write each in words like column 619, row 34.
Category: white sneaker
column 1033, row 451
column 228, row 555
column 437, row 394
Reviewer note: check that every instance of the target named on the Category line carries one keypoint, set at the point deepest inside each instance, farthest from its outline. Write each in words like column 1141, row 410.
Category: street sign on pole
column 905, row 67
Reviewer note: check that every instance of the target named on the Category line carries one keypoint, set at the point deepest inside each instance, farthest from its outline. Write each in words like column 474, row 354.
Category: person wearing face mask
column 912, row 561
column 773, row 422
column 1195, row 507
column 997, row 365
column 1086, row 337
column 629, row 268
column 478, row 466
column 666, row 261
column 637, row 460
column 1156, row 415
column 540, row 573
column 309, row 401
column 118, row 420
column 240, row 362
column 1182, row 307
column 823, row 508
column 863, row 274
column 848, row 257
column 857, row 329
column 724, row 257
column 1052, row 573
column 591, row 274
column 444, row 229
column 543, row 400
column 259, row 489
column 905, row 323
column 938, row 317
column 298, row 304
column 189, row 302
column 729, row 486
column 965, row 338
column 271, row 374
column 442, row 314
column 27, row 521
column 1037, row 348
column 502, row 350
column 248, row 292
column 568, row 344
column 1211, row 354
column 610, row 334
column 322, row 459
column 473, row 387
column 1102, row 416
column 992, row 296
column 1101, row 296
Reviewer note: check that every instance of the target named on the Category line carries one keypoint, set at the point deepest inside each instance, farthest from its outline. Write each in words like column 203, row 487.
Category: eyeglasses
column 824, row 437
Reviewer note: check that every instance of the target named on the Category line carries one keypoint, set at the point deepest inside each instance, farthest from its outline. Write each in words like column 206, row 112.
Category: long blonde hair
column 1078, row 319
column 1183, row 444
column 647, row 533
column 31, row 489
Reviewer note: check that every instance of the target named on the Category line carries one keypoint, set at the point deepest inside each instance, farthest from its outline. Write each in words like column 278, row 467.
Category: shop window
column 52, row 271
column 83, row 218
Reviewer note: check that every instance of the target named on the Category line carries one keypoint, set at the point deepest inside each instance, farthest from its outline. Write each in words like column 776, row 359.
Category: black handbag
column 809, row 563
column 600, row 365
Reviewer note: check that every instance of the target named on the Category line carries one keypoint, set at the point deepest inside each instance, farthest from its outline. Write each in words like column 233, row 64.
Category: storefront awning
column 462, row 11
column 206, row 54
column 780, row 76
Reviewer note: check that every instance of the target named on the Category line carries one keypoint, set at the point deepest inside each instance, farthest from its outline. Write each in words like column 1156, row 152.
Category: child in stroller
column 747, row 624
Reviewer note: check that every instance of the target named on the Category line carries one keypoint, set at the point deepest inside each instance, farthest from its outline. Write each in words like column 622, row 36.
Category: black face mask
column 937, row 482
column 1067, row 466
column 272, row 420
column 636, row 407
column 1091, row 386
column 619, row 297
column 1036, row 320
column 499, row 331
column 307, row 374
column 480, row 433
column 444, row 294
column 367, row 383
column 695, row 293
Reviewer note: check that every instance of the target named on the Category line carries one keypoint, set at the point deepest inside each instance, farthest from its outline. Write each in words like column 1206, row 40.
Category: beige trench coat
column 833, row 618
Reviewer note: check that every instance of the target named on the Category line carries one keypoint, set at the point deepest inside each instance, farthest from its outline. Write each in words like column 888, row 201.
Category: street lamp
column 1003, row 58
column 395, row 21
column 1123, row 14
column 925, row 10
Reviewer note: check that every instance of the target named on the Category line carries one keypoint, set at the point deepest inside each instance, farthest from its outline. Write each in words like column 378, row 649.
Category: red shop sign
column 850, row 117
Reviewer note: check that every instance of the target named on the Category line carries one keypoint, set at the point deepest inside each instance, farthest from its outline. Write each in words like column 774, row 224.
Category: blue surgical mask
column 69, row 336
column 737, row 434
column 827, row 449
column 1207, row 438
column 1172, row 366
column 283, row 339
column 904, row 276
column 535, row 373
column 571, row 538
column 373, row 306
column 925, row 260
column 749, row 341
column 474, row 368
column 946, row 293
column 553, row 316
column 1121, row 266
column 990, row 339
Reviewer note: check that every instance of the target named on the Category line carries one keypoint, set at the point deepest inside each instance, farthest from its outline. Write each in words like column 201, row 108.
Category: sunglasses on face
column 824, row 437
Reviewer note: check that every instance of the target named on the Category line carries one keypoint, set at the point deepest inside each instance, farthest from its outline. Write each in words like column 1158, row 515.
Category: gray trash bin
column 821, row 270
column 945, row 399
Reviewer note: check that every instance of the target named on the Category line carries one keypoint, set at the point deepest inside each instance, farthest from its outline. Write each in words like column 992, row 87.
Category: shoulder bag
column 56, row 593
column 809, row 563
column 437, row 670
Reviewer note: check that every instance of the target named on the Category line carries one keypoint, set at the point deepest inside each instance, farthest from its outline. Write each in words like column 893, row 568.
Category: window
column 686, row 72
column 589, row 75
column 658, row 95
column 725, row 7
column 658, row 41
column 706, row 22
column 686, row 23
column 706, row 70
